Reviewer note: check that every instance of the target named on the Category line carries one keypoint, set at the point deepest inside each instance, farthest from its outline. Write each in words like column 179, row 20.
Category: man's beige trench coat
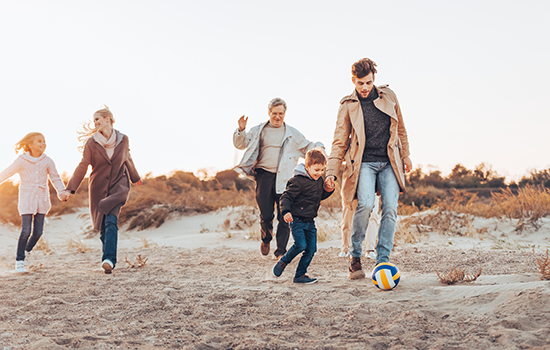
column 109, row 184
column 349, row 140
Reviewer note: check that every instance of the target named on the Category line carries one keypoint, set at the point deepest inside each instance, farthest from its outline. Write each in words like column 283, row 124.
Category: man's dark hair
column 363, row 67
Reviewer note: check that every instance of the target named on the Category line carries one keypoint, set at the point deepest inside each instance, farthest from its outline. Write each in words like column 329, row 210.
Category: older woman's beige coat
column 109, row 184
column 349, row 140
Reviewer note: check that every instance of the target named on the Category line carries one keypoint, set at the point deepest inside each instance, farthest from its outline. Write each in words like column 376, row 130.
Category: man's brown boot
column 264, row 248
column 355, row 270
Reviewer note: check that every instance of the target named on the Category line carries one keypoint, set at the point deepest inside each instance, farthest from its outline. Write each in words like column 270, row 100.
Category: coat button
column 352, row 161
column 357, row 143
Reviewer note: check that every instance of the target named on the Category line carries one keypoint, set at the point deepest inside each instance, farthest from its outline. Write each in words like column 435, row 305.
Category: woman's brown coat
column 109, row 184
column 349, row 140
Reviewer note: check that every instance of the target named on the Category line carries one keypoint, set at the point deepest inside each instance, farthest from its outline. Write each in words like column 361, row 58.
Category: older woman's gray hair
column 277, row 101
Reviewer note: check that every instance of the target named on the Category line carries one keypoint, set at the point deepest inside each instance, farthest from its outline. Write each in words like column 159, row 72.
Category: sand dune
column 203, row 291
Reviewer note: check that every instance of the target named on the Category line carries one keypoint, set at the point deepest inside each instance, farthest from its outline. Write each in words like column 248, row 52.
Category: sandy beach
column 206, row 286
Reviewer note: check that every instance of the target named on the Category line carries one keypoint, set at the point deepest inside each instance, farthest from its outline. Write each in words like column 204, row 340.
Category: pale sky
column 472, row 77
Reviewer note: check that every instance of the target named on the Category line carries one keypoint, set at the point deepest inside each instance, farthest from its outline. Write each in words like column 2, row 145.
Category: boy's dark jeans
column 305, row 240
column 267, row 198
column 109, row 237
column 26, row 225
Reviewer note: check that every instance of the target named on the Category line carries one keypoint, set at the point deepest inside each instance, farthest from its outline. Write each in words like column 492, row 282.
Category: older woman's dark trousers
column 27, row 226
column 267, row 199
column 109, row 237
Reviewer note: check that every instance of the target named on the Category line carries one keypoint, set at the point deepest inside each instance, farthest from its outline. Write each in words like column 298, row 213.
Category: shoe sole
column 311, row 282
column 359, row 274
column 108, row 269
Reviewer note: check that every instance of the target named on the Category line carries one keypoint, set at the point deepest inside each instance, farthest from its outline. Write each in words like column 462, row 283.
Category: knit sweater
column 34, row 195
column 377, row 130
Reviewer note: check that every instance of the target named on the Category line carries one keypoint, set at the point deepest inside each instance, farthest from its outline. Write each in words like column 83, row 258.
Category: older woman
column 107, row 151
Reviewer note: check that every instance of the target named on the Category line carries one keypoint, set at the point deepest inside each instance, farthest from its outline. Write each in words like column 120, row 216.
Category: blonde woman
column 107, row 151
column 34, row 167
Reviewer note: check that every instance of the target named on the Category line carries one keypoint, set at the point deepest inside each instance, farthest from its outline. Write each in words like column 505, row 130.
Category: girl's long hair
column 26, row 141
column 88, row 129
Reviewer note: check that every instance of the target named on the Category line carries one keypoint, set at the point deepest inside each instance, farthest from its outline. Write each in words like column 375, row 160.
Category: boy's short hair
column 315, row 156
column 363, row 67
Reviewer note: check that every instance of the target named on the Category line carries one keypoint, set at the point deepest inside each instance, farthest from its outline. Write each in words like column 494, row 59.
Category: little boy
column 299, row 205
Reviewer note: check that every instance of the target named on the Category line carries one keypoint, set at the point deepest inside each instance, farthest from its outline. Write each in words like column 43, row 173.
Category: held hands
column 242, row 123
column 288, row 218
column 64, row 195
column 329, row 183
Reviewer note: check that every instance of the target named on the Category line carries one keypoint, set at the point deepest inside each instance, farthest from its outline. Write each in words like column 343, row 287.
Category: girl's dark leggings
column 26, row 228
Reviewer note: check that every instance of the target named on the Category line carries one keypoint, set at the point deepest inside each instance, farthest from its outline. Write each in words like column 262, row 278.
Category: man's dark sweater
column 377, row 129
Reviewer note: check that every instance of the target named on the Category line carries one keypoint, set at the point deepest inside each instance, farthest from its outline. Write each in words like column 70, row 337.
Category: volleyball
column 385, row 276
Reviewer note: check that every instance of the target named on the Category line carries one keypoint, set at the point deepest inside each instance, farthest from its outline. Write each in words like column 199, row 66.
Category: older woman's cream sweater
column 34, row 196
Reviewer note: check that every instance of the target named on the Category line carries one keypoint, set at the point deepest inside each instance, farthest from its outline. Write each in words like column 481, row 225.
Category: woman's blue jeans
column 27, row 226
column 305, row 240
column 109, row 237
column 372, row 176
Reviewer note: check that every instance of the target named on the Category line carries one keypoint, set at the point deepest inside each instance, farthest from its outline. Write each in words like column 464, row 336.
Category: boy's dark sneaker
column 278, row 268
column 355, row 270
column 304, row 279
column 264, row 248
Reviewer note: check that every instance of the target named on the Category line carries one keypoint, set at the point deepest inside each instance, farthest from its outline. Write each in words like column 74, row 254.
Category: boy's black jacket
column 303, row 195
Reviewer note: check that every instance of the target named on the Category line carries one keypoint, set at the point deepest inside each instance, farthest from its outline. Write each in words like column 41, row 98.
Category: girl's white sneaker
column 19, row 266
column 343, row 254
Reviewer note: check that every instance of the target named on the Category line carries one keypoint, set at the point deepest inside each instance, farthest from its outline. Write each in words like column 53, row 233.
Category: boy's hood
column 31, row 159
column 301, row 170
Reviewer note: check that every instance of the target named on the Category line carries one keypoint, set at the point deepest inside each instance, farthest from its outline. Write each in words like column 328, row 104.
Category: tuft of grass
column 78, row 245
column 457, row 275
column 509, row 245
column 146, row 244
column 529, row 206
column 139, row 261
column 43, row 246
column 544, row 267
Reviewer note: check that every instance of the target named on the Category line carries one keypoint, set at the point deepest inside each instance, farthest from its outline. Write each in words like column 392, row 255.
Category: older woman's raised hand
column 242, row 123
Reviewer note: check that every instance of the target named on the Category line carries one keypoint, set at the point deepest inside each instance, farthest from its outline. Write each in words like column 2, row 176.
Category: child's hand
column 288, row 217
column 329, row 184
column 64, row 195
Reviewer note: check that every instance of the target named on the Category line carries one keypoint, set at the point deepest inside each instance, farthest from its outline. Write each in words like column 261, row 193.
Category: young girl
column 108, row 152
column 34, row 167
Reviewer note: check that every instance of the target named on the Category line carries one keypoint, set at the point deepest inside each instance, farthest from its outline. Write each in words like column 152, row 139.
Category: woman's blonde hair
column 88, row 129
column 26, row 141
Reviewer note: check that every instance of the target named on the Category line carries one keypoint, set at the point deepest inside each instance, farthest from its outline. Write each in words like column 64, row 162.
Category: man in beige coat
column 371, row 139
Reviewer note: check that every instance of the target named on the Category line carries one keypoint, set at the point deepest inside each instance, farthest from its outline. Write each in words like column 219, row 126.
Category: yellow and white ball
column 385, row 276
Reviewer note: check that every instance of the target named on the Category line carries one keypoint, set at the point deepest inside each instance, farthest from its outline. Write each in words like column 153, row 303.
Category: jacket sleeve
column 340, row 142
column 133, row 173
column 13, row 169
column 326, row 194
column 241, row 139
column 289, row 196
column 304, row 145
column 401, row 131
column 81, row 169
column 55, row 179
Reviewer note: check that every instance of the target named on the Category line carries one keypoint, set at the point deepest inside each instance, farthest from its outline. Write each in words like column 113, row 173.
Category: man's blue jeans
column 305, row 240
column 372, row 176
column 24, row 243
column 109, row 237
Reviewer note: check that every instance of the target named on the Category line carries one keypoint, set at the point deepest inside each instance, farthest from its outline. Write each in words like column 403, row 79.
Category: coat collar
column 103, row 152
column 27, row 156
